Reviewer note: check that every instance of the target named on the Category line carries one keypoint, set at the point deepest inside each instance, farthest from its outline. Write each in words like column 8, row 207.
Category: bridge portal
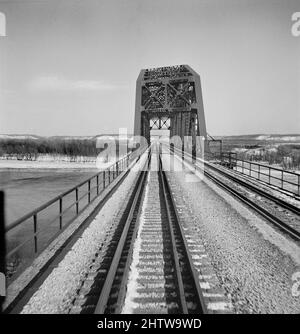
column 169, row 98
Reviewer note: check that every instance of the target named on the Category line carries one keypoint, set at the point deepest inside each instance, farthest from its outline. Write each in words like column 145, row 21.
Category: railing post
column 298, row 185
column 77, row 204
column 97, row 185
column 35, row 230
column 282, row 179
column 242, row 166
column 269, row 175
column 60, row 213
column 259, row 172
column 89, row 191
column 2, row 252
column 103, row 179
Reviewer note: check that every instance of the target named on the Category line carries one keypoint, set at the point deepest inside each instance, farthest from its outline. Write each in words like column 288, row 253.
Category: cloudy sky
column 68, row 67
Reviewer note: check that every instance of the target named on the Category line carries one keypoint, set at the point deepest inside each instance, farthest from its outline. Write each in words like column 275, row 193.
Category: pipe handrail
column 58, row 197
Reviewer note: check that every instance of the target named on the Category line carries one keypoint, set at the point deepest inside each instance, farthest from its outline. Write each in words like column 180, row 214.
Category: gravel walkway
column 253, row 262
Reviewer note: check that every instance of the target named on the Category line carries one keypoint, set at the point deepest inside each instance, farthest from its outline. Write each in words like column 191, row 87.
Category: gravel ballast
column 59, row 289
column 253, row 262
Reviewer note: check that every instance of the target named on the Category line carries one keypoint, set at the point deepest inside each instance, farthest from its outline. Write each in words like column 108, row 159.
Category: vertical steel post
column 60, row 213
column 89, row 191
column 97, row 184
column 35, row 231
column 2, row 252
column 103, row 179
column 77, row 203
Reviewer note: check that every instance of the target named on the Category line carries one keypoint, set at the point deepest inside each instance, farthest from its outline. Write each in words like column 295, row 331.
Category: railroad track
column 292, row 228
column 148, row 241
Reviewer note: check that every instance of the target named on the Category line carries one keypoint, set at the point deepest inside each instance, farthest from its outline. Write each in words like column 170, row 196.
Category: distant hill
column 265, row 137
column 29, row 136
column 260, row 136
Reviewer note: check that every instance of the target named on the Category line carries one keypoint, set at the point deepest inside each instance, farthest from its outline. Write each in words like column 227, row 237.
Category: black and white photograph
column 149, row 161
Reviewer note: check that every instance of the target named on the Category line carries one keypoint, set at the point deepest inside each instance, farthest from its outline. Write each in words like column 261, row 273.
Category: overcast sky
column 69, row 67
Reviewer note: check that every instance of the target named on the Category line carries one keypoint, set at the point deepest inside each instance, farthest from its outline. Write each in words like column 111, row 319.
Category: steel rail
column 35, row 282
column 179, row 279
column 256, row 189
column 135, row 210
column 246, row 200
column 123, row 288
column 263, row 212
column 251, row 187
column 192, row 271
column 105, row 292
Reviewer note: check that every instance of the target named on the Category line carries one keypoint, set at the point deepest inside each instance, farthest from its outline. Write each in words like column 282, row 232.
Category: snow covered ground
column 47, row 163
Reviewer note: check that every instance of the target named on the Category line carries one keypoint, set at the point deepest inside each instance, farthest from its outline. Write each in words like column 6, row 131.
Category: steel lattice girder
column 172, row 92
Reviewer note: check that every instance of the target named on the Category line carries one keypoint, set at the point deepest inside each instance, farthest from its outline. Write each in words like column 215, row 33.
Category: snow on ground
column 21, row 164
column 61, row 161
column 129, row 303
column 56, row 293
column 3, row 136
column 279, row 138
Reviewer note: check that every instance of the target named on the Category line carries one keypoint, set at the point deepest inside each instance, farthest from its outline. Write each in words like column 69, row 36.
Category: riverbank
column 27, row 164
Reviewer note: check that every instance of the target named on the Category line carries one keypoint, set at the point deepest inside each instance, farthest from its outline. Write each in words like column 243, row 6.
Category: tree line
column 288, row 156
column 31, row 148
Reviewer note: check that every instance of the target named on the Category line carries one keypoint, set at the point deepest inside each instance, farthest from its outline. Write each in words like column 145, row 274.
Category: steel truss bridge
column 169, row 98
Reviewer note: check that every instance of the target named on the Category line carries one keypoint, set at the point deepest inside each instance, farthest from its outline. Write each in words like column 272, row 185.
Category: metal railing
column 38, row 225
column 280, row 178
column 283, row 179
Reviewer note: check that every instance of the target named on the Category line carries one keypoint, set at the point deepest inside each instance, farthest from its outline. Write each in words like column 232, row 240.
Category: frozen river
column 27, row 188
